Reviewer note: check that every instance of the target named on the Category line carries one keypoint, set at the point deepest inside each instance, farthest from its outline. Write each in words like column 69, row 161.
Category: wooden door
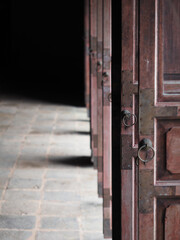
column 107, row 148
column 86, row 54
column 150, row 160
column 93, row 77
column 99, row 96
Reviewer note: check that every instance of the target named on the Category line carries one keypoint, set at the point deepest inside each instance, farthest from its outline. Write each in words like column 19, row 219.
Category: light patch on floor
column 48, row 187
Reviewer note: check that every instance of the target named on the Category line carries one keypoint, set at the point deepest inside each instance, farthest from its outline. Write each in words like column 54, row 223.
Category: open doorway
column 48, row 187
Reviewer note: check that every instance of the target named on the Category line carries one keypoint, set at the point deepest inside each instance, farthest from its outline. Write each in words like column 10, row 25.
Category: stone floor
column 48, row 187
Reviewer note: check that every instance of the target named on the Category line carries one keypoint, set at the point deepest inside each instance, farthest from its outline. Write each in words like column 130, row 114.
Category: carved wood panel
column 168, row 49
column 157, row 185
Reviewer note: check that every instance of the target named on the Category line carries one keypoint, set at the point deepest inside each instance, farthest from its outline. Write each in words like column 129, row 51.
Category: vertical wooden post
column 86, row 55
column 99, row 93
column 107, row 148
column 93, row 52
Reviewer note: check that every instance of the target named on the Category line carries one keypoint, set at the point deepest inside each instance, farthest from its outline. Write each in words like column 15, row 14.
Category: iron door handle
column 127, row 116
column 145, row 145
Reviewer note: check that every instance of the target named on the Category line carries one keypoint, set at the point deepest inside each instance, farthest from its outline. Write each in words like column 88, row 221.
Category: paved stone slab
column 61, row 196
column 33, row 150
column 8, row 109
column 15, row 195
column 16, row 222
column 20, row 207
column 92, row 236
column 59, row 223
column 4, row 173
column 19, row 183
column 63, row 185
column 15, row 235
column 53, row 177
column 6, row 164
column 3, row 182
column 92, row 224
column 58, row 235
column 37, row 139
column 91, row 208
column 32, row 163
column 28, row 173
column 7, row 156
column 61, row 209
column 62, row 173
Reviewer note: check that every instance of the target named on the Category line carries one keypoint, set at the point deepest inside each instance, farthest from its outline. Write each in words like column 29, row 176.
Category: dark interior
column 42, row 50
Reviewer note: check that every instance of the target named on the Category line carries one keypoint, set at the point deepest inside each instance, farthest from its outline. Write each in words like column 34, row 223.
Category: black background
column 42, row 49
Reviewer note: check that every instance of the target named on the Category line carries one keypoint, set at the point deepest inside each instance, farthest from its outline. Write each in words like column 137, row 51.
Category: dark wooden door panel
column 150, row 160
column 172, row 222
column 86, row 54
column 157, row 118
column 107, row 147
column 99, row 95
column 93, row 52
column 168, row 49
column 129, row 133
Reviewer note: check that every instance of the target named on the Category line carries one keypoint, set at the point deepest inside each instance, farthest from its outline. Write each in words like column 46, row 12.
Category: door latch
column 128, row 119
column 146, row 152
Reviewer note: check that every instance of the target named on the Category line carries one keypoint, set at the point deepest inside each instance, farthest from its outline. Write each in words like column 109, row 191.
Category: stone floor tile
column 41, row 129
column 8, row 109
column 19, row 207
column 4, row 173
column 15, row 143
column 37, row 139
column 92, row 236
column 17, row 222
column 3, row 182
column 62, row 163
column 32, row 164
column 15, row 195
column 61, row 209
column 62, row 173
column 62, row 185
column 68, row 235
column 21, row 183
column 60, row 196
column 6, row 164
column 7, row 156
column 15, row 235
column 91, row 208
column 28, row 173
column 59, row 223
column 53, row 175
column 92, row 224
column 33, row 151
column 64, row 127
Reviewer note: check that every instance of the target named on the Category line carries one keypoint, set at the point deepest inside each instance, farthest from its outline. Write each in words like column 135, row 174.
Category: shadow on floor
column 72, row 161
column 72, row 133
column 68, row 99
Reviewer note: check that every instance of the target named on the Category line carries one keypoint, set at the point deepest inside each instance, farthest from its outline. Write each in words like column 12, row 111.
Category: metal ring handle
column 110, row 97
column 128, row 116
column 145, row 147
